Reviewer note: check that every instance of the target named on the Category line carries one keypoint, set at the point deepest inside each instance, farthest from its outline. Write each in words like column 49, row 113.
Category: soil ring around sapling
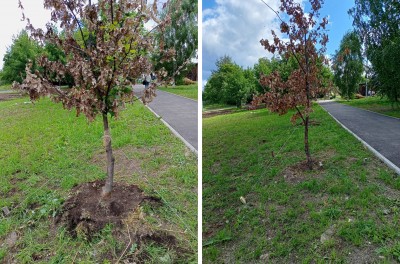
column 85, row 213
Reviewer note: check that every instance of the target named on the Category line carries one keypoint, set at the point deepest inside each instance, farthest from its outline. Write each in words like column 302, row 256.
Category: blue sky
column 235, row 27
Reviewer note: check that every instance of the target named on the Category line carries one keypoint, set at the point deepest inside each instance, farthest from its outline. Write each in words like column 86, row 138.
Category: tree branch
column 276, row 13
column 77, row 21
column 295, row 56
column 126, row 54
column 130, row 43
column 301, row 115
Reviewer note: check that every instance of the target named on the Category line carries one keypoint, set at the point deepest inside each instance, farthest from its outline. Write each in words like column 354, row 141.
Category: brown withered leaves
column 304, row 33
column 106, row 46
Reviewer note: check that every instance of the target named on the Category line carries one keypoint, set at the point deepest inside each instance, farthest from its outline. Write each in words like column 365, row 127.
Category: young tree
column 112, row 48
column 348, row 65
column 305, row 33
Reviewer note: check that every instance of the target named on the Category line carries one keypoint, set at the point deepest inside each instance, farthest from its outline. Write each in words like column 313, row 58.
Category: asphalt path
column 379, row 131
column 178, row 112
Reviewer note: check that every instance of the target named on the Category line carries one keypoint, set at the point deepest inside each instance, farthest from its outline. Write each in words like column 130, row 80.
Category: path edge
column 178, row 95
column 374, row 151
column 398, row 118
column 174, row 131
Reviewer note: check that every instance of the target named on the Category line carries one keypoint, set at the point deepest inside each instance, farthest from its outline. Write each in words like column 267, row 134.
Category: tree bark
column 110, row 158
column 306, row 146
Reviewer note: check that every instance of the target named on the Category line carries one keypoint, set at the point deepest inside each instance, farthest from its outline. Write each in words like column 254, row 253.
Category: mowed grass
column 188, row 91
column 376, row 104
column 353, row 199
column 46, row 150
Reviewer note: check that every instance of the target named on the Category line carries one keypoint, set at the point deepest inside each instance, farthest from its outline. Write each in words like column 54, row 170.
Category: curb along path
column 379, row 132
column 178, row 113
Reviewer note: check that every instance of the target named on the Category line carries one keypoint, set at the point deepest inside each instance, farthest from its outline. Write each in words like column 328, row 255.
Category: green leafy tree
column 348, row 65
column 264, row 67
column 180, row 36
column 252, row 83
column 377, row 23
column 228, row 84
column 22, row 50
column 327, row 82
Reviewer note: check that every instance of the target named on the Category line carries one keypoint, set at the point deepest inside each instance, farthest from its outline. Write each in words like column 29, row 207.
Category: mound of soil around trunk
column 298, row 172
column 86, row 212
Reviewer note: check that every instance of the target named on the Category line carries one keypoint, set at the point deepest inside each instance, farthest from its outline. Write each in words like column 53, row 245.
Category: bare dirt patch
column 364, row 255
column 218, row 112
column 298, row 172
column 9, row 96
column 85, row 212
column 215, row 167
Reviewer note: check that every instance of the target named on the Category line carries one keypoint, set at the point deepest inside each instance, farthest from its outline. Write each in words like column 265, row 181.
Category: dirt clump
column 85, row 212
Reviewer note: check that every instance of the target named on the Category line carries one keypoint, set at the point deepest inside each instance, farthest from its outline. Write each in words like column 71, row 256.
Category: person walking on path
column 146, row 81
column 149, row 91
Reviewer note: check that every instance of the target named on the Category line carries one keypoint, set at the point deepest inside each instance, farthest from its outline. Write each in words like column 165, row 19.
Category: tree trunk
column 306, row 146
column 307, row 71
column 110, row 158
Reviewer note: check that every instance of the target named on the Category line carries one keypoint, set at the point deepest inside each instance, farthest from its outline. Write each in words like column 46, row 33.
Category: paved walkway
column 178, row 112
column 379, row 131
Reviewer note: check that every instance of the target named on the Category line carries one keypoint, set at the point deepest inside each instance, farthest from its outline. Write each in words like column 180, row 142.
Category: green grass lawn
column 45, row 151
column 188, row 91
column 352, row 201
column 375, row 104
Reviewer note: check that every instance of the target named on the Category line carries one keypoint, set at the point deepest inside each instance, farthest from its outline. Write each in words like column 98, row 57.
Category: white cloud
column 235, row 28
column 203, row 84
column 10, row 19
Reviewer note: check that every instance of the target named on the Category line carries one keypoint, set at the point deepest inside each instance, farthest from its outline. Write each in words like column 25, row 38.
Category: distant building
column 192, row 74
column 363, row 88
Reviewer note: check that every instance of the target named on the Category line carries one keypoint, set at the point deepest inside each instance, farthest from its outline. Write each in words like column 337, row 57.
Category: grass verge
column 188, row 91
column 45, row 151
column 375, row 104
column 345, row 211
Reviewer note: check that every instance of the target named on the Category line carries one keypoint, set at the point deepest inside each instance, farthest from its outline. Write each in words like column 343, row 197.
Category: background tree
column 181, row 36
column 54, row 53
column 228, row 84
column 304, row 32
column 326, row 75
column 22, row 50
column 264, row 67
column 376, row 22
column 252, row 83
column 348, row 65
column 116, row 47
